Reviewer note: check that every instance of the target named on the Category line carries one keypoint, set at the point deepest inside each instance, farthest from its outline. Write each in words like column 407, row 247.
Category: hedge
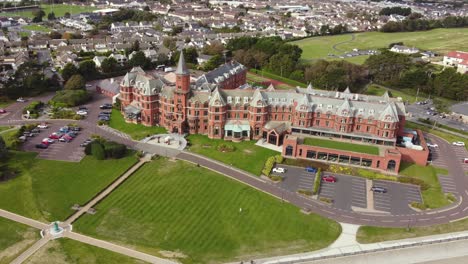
column 317, row 181
column 422, row 184
column 270, row 163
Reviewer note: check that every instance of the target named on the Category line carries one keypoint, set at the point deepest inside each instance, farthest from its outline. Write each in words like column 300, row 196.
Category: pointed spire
column 386, row 97
column 258, row 99
column 310, row 89
column 181, row 66
column 347, row 90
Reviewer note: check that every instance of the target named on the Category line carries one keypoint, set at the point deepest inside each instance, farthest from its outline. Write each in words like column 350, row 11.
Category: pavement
column 420, row 111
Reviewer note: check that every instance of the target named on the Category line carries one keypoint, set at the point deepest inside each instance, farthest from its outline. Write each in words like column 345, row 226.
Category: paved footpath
column 31, row 250
column 22, row 219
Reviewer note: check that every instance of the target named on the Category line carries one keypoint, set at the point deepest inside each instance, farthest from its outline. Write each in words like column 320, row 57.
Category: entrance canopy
column 237, row 126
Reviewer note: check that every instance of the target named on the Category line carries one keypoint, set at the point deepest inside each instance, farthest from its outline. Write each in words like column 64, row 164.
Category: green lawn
column 136, row 131
column 371, row 234
column 37, row 28
column 449, row 137
column 14, row 238
column 438, row 40
column 179, row 207
column 246, row 155
column 58, row 9
column 5, row 103
column 407, row 95
column 46, row 189
column 3, row 128
column 273, row 76
column 372, row 150
column 69, row 251
column 434, row 197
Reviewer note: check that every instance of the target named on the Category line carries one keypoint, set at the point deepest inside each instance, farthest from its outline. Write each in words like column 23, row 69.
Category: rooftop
column 332, row 144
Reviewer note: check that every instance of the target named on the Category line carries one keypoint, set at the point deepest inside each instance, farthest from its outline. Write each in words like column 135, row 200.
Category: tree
column 51, row 16
column 68, row 71
column 98, row 151
column 213, row 63
column 169, row 43
column 139, row 59
column 88, row 69
column 67, row 15
column 76, row 82
column 38, row 15
column 109, row 65
column 55, row 35
column 215, row 48
column 3, row 149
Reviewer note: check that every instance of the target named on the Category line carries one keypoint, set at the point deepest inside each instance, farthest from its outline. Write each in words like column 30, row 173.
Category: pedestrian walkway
column 108, row 190
column 31, row 250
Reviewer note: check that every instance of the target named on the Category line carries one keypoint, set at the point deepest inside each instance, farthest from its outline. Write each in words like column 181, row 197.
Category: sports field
column 438, row 40
column 58, row 9
column 47, row 189
column 174, row 207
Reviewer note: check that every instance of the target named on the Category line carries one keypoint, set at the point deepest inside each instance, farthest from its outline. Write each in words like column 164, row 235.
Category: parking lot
column 66, row 151
column 461, row 153
column 397, row 198
column 350, row 192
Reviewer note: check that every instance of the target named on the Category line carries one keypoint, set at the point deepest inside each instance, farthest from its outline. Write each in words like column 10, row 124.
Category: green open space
column 273, row 76
column 15, row 238
column 47, row 189
column 407, row 95
column 136, row 131
column 371, row 234
column 447, row 136
column 438, row 40
column 37, row 28
column 206, row 217
column 372, row 150
column 5, row 103
column 58, row 9
column 433, row 197
column 69, row 251
column 244, row 155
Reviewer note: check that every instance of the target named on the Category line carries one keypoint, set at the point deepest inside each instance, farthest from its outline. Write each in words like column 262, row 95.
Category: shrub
column 326, row 200
column 304, row 192
column 279, row 159
column 33, row 108
column 114, row 150
column 422, row 184
column 341, row 169
column 226, row 148
column 317, row 181
column 98, row 151
column 451, row 197
column 70, row 98
column 419, row 206
column 275, row 178
column 269, row 164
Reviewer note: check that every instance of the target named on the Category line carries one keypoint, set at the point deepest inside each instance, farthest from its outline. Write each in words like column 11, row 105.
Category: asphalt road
column 420, row 111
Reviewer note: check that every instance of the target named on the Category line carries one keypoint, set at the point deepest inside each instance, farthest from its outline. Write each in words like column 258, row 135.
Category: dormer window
column 344, row 112
column 229, row 99
column 388, row 118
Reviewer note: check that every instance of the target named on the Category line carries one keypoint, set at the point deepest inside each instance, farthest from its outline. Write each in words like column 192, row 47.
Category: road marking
column 454, row 214
column 440, row 217
column 388, row 221
column 424, row 219
column 347, row 216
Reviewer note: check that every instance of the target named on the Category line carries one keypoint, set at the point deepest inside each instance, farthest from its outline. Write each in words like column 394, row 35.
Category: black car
column 105, row 106
column 82, row 108
column 105, row 113
column 41, row 146
column 379, row 189
column 103, row 118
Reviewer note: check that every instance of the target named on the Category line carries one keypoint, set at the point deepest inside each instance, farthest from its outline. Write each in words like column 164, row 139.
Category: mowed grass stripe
column 196, row 211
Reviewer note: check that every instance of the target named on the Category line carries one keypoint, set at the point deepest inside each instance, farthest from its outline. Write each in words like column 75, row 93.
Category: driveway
column 397, row 198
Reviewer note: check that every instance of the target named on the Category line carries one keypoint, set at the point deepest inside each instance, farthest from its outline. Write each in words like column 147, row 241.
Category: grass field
column 68, row 251
column 438, row 40
column 371, row 234
column 46, row 189
column 341, row 145
column 37, row 28
column 136, row 131
column 246, row 155
column 407, row 95
column 434, row 197
column 292, row 83
column 14, row 238
column 179, row 207
column 58, row 9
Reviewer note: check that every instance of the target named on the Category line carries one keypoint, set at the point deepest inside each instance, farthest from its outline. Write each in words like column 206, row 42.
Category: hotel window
column 343, row 120
column 342, row 128
column 368, row 129
column 257, row 131
column 318, row 115
column 317, row 122
column 257, row 118
column 360, row 120
column 358, row 127
column 245, row 115
column 386, row 126
column 216, row 130
column 205, row 112
column 386, row 134
column 216, row 117
column 179, row 100
column 197, row 113
column 217, row 109
column 327, row 123
column 328, row 115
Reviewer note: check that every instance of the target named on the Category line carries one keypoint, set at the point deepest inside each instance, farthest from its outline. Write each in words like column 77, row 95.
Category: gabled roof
column 345, row 106
column 217, row 99
column 271, row 88
column 389, row 112
column 304, row 104
column 258, row 97
column 347, row 91
column 385, row 96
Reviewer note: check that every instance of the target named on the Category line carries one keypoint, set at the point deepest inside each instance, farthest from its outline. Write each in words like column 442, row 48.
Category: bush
column 226, row 148
column 422, row 184
column 419, row 206
column 98, row 151
column 341, row 169
column 33, row 108
column 451, row 197
column 326, row 200
column 269, row 164
column 70, row 98
column 279, row 159
column 317, row 181
column 114, row 150
column 304, row 192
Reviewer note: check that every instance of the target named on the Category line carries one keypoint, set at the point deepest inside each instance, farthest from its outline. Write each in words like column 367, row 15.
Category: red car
column 55, row 136
column 2, row 111
column 328, row 178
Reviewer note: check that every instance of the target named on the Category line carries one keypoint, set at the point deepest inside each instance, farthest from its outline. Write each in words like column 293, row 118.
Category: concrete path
column 107, row 191
column 116, row 248
column 31, row 250
column 22, row 219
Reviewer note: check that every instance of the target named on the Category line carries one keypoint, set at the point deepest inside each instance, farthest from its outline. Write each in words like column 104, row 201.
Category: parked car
column 2, row 111
column 379, row 189
column 83, row 108
column 48, row 140
column 73, row 128
column 104, row 118
column 105, row 106
column 55, row 135
column 21, row 100
column 43, row 126
column 72, row 134
column 279, row 170
column 64, row 129
column 432, row 145
column 465, row 160
column 81, row 112
column 458, row 143
column 311, row 169
column 65, row 139
column 328, row 178
column 41, row 146
column 105, row 113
